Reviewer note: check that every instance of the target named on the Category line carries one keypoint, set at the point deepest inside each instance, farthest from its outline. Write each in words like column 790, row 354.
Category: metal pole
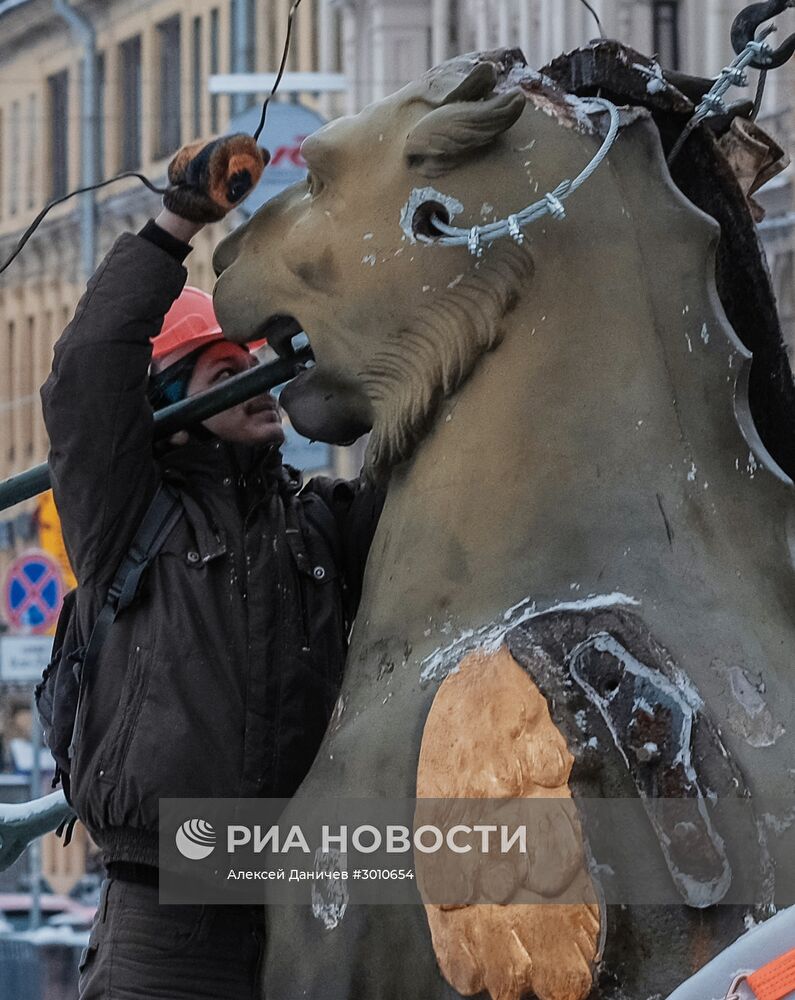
column 35, row 791
column 178, row 416
column 235, row 390
column 84, row 30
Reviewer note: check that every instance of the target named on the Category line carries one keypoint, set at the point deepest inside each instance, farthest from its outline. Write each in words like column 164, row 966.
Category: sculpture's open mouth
column 323, row 405
column 280, row 330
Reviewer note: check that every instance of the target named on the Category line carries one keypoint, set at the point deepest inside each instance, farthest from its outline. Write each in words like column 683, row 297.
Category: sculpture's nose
column 226, row 252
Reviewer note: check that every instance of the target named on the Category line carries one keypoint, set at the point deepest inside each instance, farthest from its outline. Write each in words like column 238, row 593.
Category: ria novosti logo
column 196, row 839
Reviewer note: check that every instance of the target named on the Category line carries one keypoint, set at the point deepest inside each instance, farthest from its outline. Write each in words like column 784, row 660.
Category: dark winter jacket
column 219, row 681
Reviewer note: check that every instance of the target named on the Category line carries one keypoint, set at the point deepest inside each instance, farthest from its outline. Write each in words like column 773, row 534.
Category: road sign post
column 23, row 658
column 35, row 793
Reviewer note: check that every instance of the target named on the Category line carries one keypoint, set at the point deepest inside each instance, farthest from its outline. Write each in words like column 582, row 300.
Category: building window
column 242, row 43
column 130, row 87
column 272, row 35
column 13, row 174
column 168, row 50
column 339, row 42
column 215, row 45
column 243, row 36
column 198, row 77
column 28, row 376
column 665, row 14
column 9, row 392
column 99, row 166
column 33, row 148
column 454, row 18
column 2, row 163
column 58, row 90
column 314, row 39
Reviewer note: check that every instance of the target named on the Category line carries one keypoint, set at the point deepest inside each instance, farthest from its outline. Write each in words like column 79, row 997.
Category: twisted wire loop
column 734, row 75
column 550, row 204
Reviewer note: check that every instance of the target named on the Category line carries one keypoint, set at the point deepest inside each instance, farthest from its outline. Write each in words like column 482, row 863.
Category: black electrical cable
column 58, row 201
column 760, row 94
column 143, row 179
column 595, row 17
column 282, row 67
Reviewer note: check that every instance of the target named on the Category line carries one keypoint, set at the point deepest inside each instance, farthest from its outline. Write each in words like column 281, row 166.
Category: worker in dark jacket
column 221, row 678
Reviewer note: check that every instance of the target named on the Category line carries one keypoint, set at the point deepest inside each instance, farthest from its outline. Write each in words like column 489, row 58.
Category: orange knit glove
column 208, row 179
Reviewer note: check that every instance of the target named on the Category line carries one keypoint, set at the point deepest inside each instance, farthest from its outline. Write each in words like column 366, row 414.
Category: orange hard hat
column 190, row 323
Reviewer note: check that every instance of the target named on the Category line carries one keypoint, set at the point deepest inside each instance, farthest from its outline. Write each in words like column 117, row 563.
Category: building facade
column 152, row 63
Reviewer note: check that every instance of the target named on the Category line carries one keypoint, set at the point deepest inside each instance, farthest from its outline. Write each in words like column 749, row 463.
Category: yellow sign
column 50, row 537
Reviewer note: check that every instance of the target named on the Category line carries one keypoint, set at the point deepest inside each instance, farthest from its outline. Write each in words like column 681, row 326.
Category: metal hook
column 749, row 20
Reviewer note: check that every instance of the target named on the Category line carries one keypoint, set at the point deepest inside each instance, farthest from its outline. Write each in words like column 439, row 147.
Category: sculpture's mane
column 707, row 181
column 432, row 355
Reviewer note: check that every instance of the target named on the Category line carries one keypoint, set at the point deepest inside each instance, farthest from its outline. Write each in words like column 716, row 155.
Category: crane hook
column 747, row 23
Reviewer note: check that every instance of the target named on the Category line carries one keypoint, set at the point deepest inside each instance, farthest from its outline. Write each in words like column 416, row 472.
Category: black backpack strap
column 157, row 524
column 159, row 520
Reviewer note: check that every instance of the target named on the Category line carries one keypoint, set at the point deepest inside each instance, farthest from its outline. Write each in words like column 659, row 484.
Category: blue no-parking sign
column 33, row 592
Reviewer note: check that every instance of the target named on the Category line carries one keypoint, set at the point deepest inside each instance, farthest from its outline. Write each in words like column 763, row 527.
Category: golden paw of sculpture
column 520, row 922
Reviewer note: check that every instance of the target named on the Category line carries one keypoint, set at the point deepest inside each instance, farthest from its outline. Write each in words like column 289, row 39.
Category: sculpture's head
column 394, row 323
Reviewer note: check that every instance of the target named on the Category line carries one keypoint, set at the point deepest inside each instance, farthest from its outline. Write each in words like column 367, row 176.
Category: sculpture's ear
column 467, row 120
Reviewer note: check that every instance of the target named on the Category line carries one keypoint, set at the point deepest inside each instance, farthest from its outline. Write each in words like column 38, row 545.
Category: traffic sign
column 24, row 657
column 33, row 592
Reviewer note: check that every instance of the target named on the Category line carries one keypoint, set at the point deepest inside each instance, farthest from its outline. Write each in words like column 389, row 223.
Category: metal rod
column 176, row 417
column 235, row 390
column 21, row 824
column 34, row 851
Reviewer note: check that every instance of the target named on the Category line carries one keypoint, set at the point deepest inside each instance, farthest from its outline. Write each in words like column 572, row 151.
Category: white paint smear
column 489, row 637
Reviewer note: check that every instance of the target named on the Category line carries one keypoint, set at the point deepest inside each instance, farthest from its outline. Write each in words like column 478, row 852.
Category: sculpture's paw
column 491, row 755
column 511, row 951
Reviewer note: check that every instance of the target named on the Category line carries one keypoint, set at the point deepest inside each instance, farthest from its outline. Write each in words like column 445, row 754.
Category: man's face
column 257, row 421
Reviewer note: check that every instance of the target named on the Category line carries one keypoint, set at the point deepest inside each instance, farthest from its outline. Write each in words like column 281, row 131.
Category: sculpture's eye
column 314, row 183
